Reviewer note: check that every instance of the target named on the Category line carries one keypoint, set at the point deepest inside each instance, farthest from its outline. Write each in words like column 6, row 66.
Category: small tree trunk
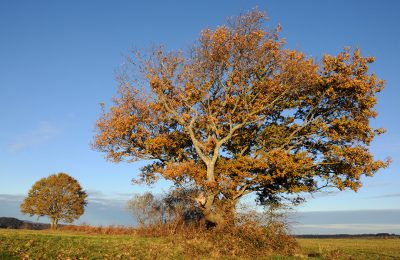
column 54, row 223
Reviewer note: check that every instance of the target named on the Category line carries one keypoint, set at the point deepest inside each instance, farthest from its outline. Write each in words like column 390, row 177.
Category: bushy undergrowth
column 244, row 240
column 241, row 241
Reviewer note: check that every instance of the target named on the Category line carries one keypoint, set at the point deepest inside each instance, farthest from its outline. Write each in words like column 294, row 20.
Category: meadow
column 350, row 248
column 47, row 244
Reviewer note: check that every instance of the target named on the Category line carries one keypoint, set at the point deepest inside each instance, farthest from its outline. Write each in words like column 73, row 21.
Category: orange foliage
column 240, row 113
column 59, row 196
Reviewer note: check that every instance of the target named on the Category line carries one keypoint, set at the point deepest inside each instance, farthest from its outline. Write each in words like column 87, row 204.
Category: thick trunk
column 220, row 214
column 214, row 219
column 217, row 213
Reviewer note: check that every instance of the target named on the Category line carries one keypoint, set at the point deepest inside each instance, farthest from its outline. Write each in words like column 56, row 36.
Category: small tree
column 145, row 208
column 178, row 205
column 59, row 196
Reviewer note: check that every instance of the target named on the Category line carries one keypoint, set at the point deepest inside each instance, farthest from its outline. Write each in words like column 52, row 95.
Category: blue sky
column 58, row 61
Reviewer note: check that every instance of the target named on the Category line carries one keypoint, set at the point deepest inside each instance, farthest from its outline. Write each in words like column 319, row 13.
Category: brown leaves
column 242, row 113
column 59, row 196
column 178, row 172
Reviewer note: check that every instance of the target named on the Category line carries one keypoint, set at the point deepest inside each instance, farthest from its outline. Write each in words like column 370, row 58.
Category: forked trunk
column 217, row 212
column 54, row 223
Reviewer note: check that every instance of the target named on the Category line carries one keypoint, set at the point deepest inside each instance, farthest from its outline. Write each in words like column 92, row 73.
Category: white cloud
column 108, row 198
column 43, row 132
column 352, row 227
column 329, row 229
column 384, row 196
column 11, row 198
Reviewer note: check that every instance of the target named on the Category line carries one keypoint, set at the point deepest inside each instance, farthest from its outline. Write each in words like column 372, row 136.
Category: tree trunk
column 217, row 213
column 213, row 219
column 54, row 223
column 220, row 214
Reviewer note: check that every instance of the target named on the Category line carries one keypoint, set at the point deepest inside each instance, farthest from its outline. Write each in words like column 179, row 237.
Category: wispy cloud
column 43, row 132
column 346, row 228
column 124, row 194
column 11, row 198
column 384, row 196
column 100, row 194
column 352, row 226
column 111, row 198
column 320, row 194
column 95, row 193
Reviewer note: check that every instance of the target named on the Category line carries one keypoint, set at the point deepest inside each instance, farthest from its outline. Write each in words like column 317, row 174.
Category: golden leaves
column 181, row 170
column 59, row 196
column 240, row 112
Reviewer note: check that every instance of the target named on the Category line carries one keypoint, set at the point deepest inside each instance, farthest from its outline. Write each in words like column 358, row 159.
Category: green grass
column 46, row 244
column 360, row 248
column 63, row 245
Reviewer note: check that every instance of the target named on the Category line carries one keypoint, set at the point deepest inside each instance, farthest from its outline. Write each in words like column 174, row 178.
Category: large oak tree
column 59, row 196
column 240, row 113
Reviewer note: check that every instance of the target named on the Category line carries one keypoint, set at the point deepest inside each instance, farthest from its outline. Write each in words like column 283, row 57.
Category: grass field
column 28, row 244
column 45, row 244
column 350, row 248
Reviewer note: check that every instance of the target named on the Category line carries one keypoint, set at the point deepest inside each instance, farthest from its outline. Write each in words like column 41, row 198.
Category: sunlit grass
column 63, row 245
column 351, row 248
